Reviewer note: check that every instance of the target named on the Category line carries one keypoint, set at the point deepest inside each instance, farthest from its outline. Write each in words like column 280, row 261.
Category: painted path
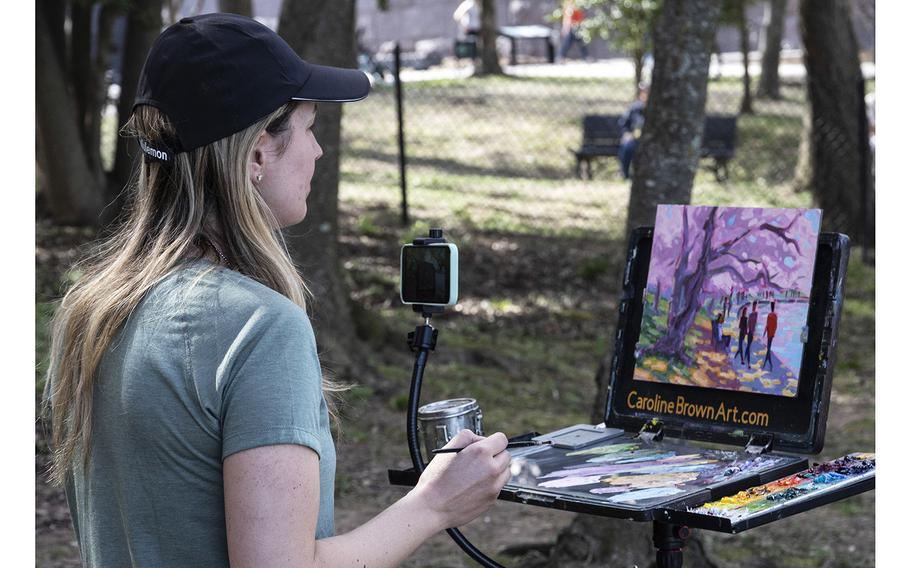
column 721, row 368
column 781, row 375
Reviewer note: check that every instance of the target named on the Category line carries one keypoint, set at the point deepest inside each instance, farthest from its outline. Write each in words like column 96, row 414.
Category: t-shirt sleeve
column 272, row 383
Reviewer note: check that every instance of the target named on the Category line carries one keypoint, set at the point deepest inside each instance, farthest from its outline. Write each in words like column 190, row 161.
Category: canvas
column 727, row 298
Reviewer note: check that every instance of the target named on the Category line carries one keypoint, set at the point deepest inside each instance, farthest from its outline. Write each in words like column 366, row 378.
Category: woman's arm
column 271, row 498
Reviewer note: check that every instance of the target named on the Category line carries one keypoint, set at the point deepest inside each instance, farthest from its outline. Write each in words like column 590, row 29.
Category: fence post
column 402, row 158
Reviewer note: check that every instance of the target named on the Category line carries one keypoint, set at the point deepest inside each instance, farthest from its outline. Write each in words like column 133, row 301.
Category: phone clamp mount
column 421, row 341
column 428, row 311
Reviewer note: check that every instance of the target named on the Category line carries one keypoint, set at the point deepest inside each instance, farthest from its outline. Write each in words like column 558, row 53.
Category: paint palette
column 810, row 488
column 630, row 477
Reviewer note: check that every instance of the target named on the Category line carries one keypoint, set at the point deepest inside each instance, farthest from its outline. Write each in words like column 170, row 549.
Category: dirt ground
column 373, row 438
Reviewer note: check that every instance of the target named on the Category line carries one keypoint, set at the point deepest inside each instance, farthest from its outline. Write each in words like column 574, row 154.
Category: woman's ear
column 257, row 158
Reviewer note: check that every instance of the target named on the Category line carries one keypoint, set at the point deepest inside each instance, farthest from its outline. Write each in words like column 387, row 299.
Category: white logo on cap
column 153, row 152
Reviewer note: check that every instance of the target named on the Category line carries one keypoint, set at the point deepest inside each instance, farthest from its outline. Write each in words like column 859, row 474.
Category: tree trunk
column 802, row 174
column 323, row 33
column 73, row 192
column 745, row 106
column 839, row 127
column 664, row 169
column 87, row 67
column 638, row 58
column 55, row 16
column 242, row 7
column 667, row 156
column 100, row 64
column 687, row 288
column 769, row 84
column 143, row 25
column 54, row 12
column 80, row 56
column 489, row 58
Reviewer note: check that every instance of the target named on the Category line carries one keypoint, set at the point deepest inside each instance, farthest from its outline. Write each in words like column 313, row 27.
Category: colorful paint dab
column 820, row 478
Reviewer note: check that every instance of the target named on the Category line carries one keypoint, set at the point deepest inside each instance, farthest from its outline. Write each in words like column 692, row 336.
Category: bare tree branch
column 782, row 233
column 763, row 277
column 725, row 247
column 742, row 260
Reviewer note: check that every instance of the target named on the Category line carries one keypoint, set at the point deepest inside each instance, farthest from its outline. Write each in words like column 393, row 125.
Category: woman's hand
column 460, row 487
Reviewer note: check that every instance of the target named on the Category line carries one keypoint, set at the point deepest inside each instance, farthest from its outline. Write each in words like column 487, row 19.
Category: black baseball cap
column 216, row 74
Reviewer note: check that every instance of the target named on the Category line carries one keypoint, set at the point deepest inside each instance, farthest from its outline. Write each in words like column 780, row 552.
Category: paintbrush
column 521, row 444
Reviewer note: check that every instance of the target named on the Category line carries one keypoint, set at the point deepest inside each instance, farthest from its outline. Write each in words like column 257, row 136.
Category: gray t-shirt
column 210, row 363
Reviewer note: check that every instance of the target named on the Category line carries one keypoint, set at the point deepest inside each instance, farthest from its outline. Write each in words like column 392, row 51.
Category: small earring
column 258, row 178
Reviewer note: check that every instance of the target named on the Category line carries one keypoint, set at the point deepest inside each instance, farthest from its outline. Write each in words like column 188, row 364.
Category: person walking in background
column 743, row 326
column 632, row 121
column 770, row 331
column 467, row 17
column 750, row 332
column 572, row 17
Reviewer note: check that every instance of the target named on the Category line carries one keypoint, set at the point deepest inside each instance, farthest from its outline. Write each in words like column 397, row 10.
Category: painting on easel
column 727, row 298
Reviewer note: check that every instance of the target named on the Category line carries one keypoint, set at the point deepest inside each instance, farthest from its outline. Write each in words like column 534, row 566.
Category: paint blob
column 824, row 477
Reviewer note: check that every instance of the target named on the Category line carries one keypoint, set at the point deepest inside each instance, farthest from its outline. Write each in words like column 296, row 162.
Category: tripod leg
column 669, row 540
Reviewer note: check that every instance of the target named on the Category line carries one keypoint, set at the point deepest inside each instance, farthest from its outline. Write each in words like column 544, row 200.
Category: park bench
column 601, row 136
column 718, row 141
column 541, row 33
column 466, row 48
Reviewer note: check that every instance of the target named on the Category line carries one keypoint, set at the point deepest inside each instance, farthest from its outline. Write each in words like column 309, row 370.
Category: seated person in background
column 632, row 122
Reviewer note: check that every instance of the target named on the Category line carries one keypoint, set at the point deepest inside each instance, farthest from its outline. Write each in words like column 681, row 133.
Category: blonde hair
column 172, row 206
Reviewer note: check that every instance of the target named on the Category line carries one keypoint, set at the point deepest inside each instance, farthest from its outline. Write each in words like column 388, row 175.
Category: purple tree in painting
column 712, row 250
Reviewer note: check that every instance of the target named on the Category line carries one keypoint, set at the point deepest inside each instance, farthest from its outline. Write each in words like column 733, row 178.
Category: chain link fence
column 497, row 152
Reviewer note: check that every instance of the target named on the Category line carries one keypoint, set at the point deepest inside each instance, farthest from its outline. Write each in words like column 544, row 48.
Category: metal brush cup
column 438, row 422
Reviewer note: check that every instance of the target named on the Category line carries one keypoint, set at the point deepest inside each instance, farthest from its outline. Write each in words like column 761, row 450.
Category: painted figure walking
column 750, row 333
column 743, row 326
column 770, row 331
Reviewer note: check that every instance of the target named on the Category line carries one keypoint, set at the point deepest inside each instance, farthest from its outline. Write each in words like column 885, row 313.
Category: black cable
column 425, row 339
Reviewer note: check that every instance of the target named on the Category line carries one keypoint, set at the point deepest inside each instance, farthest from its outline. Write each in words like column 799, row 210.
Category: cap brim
column 334, row 84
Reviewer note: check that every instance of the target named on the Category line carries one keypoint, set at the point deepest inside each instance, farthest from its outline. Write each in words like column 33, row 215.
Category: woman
column 187, row 407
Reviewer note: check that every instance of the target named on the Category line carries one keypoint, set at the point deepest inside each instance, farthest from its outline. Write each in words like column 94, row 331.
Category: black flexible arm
column 424, row 339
